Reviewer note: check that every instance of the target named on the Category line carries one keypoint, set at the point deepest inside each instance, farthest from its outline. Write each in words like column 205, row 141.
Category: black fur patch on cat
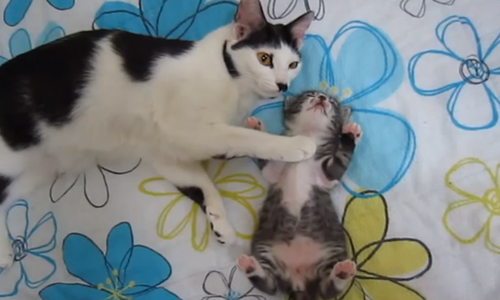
column 43, row 85
column 4, row 184
column 195, row 194
column 228, row 61
column 269, row 35
column 140, row 51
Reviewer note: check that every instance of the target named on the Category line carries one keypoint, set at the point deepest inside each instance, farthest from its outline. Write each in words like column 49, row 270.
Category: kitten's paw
column 247, row 264
column 254, row 123
column 6, row 254
column 222, row 229
column 344, row 270
column 354, row 129
column 299, row 148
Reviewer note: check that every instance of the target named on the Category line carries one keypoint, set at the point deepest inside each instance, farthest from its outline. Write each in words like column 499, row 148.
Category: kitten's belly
column 296, row 183
column 299, row 255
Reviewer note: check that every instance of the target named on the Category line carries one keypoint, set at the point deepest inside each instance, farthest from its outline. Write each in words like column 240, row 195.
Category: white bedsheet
column 420, row 202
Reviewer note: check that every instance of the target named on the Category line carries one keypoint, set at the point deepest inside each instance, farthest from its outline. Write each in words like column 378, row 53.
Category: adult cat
column 97, row 94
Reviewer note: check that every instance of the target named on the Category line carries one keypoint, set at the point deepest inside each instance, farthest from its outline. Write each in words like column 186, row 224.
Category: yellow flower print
column 240, row 188
column 477, row 212
column 384, row 265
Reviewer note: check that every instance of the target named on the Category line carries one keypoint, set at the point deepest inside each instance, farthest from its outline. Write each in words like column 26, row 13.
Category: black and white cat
column 299, row 247
column 99, row 94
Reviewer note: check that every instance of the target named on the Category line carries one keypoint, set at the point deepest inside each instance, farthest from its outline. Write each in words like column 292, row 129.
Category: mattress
column 420, row 201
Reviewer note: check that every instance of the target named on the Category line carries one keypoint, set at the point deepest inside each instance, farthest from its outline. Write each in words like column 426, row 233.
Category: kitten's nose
column 321, row 98
column 282, row 87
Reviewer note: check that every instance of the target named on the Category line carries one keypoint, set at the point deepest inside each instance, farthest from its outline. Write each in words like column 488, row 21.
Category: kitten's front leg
column 260, row 278
column 191, row 177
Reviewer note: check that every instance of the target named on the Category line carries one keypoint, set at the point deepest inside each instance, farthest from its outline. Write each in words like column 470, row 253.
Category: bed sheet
column 420, row 201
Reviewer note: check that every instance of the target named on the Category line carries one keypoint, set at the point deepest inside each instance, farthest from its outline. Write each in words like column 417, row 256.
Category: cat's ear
column 346, row 113
column 299, row 26
column 287, row 100
column 249, row 17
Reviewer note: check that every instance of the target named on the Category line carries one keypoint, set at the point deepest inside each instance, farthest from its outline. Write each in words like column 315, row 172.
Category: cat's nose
column 321, row 98
column 282, row 87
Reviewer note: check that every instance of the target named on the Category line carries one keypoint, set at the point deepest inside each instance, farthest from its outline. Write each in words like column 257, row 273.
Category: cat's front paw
column 254, row 123
column 222, row 229
column 299, row 148
column 354, row 129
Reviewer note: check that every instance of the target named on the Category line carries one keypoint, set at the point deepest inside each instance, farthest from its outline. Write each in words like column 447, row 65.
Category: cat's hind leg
column 193, row 181
column 260, row 278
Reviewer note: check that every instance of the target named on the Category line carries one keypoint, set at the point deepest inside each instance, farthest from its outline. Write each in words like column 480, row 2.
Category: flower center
column 232, row 295
column 492, row 201
column 112, row 286
column 474, row 71
column 19, row 245
column 334, row 90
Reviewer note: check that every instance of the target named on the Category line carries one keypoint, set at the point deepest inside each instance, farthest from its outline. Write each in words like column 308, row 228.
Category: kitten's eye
column 293, row 65
column 264, row 58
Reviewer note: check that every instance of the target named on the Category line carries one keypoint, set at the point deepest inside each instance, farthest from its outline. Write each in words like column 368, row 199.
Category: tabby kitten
column 299, row 246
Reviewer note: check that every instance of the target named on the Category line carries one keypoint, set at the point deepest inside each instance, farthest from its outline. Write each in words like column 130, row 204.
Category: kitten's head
column 314, row 114
column 266, row 56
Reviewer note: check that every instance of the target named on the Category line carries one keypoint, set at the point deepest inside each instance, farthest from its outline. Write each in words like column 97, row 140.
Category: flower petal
column 61, row 186
column 15, row 11
column 215, row 283
column 62, row 4
column 84, row 259
column 445, row 67
column 493, row 234
column 415, row 8
column 368, row 68
column 120, row 241
column 239, row 283
column 459, row 36
column 398, row 258
column 42, row 237
column 3, row 60
column 60, row 291
column 10, row 279
column 171, row 13
column 51, row 33
column 316, row 66
column 281, row 11
column 37, row 269
column 377, row 289
column 196, row 21
column 471, row 210
column 385, row 152
column 492, row 56
column 95, row 187
column 473, row 107
column 460, row 180
column 157, row 294
column 17, row 220
column 146, row 268
column 122, row 167
column 373, row 212
column 19, row 42
column 124, row 16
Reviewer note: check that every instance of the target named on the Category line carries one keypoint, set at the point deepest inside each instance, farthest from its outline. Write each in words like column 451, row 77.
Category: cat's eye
column 265, row 59
column 293, row 65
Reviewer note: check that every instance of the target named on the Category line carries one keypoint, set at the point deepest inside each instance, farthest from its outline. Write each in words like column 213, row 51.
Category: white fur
column 179, row 118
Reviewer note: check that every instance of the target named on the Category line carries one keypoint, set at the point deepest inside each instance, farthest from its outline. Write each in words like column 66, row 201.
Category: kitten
column 299, row 247
column 96, row 94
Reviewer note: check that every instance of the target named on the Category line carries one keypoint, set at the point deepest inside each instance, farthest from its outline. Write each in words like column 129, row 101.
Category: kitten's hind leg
column 193, row 181
column 260, row 278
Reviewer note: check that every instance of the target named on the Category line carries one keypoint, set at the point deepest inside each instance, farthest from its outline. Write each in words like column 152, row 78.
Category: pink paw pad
column 354, row 129
column 254, row 123
column 246, row 264
column 344, row 270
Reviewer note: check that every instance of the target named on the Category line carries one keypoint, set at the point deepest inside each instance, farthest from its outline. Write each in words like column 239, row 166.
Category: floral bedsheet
column 420, row 202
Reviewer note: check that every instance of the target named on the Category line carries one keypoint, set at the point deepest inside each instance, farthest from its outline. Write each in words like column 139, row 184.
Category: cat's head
column 315, row 114
column 266, row 56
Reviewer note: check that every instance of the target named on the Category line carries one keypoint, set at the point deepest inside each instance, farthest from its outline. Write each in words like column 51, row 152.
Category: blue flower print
column 362, row 67
column 218, row 287
column 467, row 72
column 20, row 41
column 175, row 19
column 16, row 9
column 125, row 271
column 31, row 244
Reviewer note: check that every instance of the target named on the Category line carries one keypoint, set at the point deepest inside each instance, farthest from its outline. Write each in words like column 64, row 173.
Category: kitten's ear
column 249, row 17
column 345, row 112
column 286, row 102
column 299, row 26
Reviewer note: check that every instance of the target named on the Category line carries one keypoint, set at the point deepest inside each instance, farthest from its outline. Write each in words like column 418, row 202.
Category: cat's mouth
column 320, row 106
